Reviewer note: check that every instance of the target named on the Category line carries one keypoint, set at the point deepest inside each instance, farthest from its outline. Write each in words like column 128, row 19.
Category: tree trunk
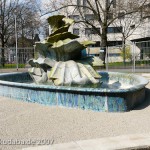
column 103, row 45
column 3, row 54
column 124, row 53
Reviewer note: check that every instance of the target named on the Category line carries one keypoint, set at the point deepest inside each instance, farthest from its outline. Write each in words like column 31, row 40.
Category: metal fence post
column 107, row 59
column 16, row 43
column 133, row 56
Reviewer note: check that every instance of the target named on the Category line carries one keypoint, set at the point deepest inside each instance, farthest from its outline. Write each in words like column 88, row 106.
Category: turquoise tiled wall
column 83, row 98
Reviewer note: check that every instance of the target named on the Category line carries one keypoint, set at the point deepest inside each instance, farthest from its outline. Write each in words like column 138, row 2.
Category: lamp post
column 16, row 40
column 90, row 38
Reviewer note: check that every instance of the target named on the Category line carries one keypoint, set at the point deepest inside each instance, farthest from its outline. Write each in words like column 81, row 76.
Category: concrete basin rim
column 143, row 82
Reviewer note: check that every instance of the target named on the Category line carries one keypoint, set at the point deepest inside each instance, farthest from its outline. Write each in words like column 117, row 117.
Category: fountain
column 58, row 58
column 61, row 77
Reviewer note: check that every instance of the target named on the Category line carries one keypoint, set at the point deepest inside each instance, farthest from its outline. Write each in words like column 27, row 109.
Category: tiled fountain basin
column 119, row 92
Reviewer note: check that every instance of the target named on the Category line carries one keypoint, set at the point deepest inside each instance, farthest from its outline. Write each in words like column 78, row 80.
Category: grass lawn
column 12, row 66
column 137, row 63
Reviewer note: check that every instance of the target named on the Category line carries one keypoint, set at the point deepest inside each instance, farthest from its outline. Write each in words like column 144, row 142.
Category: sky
column 42, row 5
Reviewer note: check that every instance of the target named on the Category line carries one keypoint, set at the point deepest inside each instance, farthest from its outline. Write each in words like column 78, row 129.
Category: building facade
column 128, row 28
column 131, row 29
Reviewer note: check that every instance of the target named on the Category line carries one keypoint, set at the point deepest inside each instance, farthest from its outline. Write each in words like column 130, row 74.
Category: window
column 114, row 3
column 114, row 30
column 110, row 30
column 110, row 15
column 108, row 1
column 89, row 16
column 89, row 31
column 132, row 26
column 114, row 55
column 76, row 31
column 97, row 44
column 114, row 43
column 75, row 17
column 84, row 2
column 95, row 31
column 145, row 11
column 78, row 2
column 121, row 15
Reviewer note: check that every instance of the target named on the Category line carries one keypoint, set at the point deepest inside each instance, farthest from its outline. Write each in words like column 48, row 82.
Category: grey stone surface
column 22, row 120
column 59, row 57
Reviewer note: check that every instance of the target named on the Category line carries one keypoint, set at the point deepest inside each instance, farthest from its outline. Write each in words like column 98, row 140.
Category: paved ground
column 13, row 70
column 127, row 70
column 28, row 122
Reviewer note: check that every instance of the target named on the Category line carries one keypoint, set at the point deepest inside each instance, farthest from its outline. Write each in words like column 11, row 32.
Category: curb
column 125, row 142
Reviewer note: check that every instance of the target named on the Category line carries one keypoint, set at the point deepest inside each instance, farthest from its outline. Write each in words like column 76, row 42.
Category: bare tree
column 28, row 22
column 126, row 26
column 102, row 11
column 7, row 8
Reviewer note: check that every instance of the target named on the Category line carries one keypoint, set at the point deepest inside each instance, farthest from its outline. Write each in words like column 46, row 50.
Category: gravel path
column 28, row 121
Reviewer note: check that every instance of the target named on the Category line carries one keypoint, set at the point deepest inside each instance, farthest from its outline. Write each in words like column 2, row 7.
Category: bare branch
column 66, row 7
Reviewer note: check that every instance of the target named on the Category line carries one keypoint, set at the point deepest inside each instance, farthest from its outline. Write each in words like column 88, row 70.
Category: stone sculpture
column 58, row 58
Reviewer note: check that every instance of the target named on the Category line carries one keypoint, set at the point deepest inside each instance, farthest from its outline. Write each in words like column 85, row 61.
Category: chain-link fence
column 8, row 57
column 142, row 57
column 119, row 58
column 129, row 58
